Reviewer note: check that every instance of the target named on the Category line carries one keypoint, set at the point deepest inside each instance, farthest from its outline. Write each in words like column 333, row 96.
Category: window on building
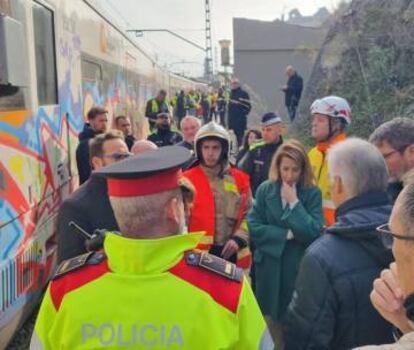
column 44, row 40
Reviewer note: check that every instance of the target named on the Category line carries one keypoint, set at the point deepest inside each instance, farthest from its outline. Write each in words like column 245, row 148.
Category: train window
column 91, row 70
column 44, row 39
column 5, row 7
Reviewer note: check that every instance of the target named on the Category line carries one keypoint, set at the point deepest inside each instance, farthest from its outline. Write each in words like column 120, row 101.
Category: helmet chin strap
column 331, row 132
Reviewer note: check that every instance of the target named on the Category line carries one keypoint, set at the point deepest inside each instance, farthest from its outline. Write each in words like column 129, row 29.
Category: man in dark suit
column 293, row 91
column 239, row 108
column 89, row 205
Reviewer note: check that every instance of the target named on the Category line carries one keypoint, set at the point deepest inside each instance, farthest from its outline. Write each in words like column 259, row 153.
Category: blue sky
column 186, row 17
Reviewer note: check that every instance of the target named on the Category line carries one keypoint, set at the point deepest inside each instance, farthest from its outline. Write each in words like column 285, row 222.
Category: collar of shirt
column 147, row 256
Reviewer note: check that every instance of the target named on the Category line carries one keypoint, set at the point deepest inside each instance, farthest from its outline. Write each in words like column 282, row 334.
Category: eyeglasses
column 398, row 150
column 117, row 155
column 388, row 236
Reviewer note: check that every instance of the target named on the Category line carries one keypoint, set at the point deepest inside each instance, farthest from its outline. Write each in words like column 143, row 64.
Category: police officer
column 163, row 135
column 150, row 288
column 258, row 159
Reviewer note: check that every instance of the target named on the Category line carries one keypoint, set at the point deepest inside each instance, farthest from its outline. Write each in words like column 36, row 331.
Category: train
column 58, row 58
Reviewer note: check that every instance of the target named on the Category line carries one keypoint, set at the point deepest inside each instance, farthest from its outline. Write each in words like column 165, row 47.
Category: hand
column 288, row 193
column 387, row 297
column 230, row 248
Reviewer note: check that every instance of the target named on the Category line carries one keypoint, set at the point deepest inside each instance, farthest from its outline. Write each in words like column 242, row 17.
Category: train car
column 57, row 59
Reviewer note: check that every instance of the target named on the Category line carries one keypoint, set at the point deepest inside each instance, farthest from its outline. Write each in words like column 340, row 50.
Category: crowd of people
column 280, row 249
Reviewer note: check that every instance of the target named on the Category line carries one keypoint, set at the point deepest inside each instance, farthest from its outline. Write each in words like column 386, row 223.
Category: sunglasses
column 388, row 236
column 118, row 156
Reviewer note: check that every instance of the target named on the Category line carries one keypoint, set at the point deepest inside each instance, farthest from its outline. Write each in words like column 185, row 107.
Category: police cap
column 147, row 173
column 270, row 118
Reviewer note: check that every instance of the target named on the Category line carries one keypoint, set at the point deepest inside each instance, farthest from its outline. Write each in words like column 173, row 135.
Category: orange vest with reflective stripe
column 317, row 158
column 203, row 211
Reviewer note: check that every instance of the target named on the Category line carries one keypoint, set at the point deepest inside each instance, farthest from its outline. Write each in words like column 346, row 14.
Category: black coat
column 294, row 90
column 238, row 108
column 394, row 190
column 152, row 115
column 257, row 163
column 88, row 207
column 130, row 140
column 165, row 138
column 331, row 308
column 190, row 147
column 180, row 108
column 82, row 153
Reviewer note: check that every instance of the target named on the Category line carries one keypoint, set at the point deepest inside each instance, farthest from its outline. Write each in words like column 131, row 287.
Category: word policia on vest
column 119, row 335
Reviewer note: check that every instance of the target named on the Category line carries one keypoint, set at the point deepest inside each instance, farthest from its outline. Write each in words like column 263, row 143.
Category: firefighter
column 222, row 199
column 149, row 288
column 330, row 116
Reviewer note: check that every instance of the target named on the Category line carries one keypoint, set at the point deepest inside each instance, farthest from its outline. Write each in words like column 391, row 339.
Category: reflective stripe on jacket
column 317, row 158
column 146, row 296
column 203, row 211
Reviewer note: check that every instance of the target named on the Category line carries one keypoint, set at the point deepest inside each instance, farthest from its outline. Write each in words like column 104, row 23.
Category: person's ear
column 171, row 210
column 338, row 185
column 409, row 155
column 97, row 163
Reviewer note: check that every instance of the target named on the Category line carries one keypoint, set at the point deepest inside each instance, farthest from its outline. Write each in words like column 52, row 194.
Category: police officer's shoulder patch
column 256, row 145
column 215, row 264
column 91, row 258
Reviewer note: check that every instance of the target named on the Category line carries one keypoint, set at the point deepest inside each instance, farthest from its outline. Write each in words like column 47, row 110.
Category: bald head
column 143, row 146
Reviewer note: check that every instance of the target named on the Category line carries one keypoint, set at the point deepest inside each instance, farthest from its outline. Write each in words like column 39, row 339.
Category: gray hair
column 405, row 208
column 398, row 133
column 188, row 118
column 137, row 214
column 360, row 165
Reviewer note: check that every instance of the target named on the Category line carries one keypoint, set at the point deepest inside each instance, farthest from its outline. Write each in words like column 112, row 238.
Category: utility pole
column 208, row 71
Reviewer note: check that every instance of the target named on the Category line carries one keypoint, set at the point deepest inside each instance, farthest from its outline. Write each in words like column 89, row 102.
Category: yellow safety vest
column 147, row 295
column 317, row 158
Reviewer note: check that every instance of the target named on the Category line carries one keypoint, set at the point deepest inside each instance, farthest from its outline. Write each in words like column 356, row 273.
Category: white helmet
column 333, row 106
column 214, row 131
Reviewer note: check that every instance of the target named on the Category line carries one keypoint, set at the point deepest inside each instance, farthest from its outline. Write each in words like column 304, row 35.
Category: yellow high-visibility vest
column 317, row 158
column 146, row 295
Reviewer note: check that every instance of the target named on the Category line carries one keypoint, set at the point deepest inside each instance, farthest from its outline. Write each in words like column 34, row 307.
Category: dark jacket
column 238, row 108
column 190, row 147
column 185, row 144
column 180, row 107
column 165, row 137
column 277, row 259
column 82, row 153
column 331, row 308
column 161, row 107
column 130, row 140
column 240, row 156
column 394, row 189
column 257, row 162
column 294, row 90
column 88, row 207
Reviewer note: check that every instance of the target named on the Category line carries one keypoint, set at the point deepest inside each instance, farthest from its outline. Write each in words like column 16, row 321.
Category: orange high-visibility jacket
column 203, row 211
